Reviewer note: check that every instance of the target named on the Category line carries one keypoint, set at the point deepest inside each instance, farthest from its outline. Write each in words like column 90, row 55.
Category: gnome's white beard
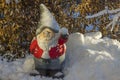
column 47, row 45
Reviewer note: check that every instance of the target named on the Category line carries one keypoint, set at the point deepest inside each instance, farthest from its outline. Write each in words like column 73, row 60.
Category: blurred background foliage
column 19, row 19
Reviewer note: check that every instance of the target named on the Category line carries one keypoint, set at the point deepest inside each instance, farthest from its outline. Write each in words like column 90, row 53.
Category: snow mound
column 89, row 57
column 96, row 35
column 97, row 59
column 28, row 65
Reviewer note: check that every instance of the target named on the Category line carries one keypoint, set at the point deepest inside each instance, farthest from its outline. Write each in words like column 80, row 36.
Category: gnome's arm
column 63, row 36
column 35, row 49
column 60, row 49
column 62, row 40
column 33, row 45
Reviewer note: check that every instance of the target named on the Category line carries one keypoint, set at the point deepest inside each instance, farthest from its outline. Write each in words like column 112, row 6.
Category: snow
column 105, row 11
column 114, row 22
column 59, row 74
column 96, row 35
column 89, row 57
column 16, row 1
column 28, row 64
column 96, row 15
column 7, row 1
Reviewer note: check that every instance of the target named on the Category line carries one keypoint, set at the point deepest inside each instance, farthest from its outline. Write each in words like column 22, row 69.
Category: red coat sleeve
column 33, row 45
column 35, row 49
column 57, row 51
column 61, row 40
column 60, row 49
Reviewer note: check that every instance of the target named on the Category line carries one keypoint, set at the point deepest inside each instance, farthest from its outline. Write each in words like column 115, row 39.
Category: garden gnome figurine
column 48, row 46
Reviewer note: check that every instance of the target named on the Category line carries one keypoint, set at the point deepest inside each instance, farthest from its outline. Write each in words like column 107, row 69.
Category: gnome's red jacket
column 54, row 52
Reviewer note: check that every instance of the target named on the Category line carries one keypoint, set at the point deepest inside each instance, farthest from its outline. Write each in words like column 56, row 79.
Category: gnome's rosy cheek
column 40, row 36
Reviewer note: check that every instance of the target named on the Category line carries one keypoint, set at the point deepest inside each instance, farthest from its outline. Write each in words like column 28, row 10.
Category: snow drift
column 89, row 57
column 96, row 59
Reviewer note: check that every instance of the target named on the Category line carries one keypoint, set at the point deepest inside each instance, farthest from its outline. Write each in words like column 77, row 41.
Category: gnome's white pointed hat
column 46, row 20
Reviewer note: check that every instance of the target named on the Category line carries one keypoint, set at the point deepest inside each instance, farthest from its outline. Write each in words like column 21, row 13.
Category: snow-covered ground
column 89, row 57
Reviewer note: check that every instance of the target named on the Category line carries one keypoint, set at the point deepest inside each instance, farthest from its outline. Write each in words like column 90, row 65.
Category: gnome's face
column 47, row 38
column 47, row 34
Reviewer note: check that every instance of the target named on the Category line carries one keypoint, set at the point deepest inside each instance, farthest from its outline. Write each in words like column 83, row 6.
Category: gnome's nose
column 47, row 34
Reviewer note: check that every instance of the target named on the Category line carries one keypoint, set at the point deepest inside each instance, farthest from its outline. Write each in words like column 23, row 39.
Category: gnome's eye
column 49, row 33
column 46, row 32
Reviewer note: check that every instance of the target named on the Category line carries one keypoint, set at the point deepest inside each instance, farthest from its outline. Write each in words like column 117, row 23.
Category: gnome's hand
column 64, row 33
column 64, row 36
